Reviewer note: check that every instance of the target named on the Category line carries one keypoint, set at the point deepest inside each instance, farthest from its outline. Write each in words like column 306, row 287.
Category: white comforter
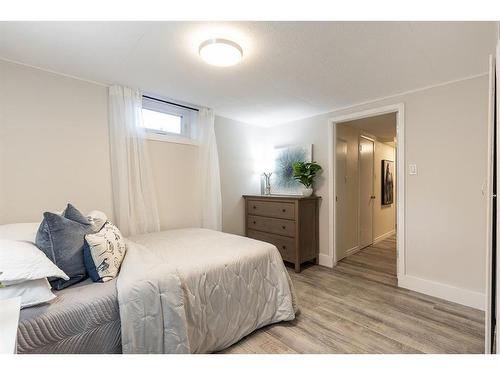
column 199, row 291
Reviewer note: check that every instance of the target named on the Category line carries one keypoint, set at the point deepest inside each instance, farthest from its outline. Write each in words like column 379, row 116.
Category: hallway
column 376, row 262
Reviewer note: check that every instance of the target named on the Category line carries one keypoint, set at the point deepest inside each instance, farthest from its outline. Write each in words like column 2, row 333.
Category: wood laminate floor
column 357, row 308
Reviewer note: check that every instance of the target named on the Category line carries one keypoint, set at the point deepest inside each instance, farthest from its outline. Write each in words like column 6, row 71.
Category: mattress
column 84, row 318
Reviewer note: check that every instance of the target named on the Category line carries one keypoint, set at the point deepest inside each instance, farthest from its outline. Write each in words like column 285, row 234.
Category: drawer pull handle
column 283, row 227
column 283, row 247
column 284, row 210
column 254, row 222
column 254, row 207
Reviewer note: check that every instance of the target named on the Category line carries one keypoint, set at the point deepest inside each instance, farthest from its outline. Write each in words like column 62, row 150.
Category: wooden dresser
column 288, row 222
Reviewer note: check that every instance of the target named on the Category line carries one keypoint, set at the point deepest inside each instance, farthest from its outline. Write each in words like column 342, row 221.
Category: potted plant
column 305, row 173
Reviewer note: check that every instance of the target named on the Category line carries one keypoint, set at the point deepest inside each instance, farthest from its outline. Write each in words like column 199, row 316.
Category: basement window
column 162, row 122
column 165, row 121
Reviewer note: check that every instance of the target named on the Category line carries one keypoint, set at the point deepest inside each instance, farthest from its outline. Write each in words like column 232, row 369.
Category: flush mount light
column 220, row 52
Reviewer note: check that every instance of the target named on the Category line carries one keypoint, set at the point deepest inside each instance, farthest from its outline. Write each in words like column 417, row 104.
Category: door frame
column 399, row 109
column 359, row 186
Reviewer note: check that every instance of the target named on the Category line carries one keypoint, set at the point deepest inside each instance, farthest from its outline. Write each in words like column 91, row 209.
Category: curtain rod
column 167, row 102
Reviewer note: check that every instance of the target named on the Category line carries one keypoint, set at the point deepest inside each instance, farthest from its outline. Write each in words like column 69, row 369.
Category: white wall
column 54, row 149
column 239, row 146
column 53, row 144
column 176, row 182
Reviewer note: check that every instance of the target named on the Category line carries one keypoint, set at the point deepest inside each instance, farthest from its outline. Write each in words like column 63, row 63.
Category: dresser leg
column 297, row 267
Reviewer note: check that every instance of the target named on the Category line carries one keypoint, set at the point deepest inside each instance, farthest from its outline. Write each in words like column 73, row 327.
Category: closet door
column 366, row 195
column 341, row 199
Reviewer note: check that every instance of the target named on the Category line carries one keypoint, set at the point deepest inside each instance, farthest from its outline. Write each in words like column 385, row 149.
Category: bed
column 179, row 291
column 84, row 318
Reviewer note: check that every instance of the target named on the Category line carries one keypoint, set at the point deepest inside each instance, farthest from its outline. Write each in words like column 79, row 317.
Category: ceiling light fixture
column 220, row 52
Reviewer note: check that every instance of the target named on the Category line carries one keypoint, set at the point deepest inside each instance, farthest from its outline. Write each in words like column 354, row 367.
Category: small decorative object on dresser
column 267, row 177
column 305, row 173
column 291, row 223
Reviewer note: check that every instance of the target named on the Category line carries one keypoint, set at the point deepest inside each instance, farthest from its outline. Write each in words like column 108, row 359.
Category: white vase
column 306, row 192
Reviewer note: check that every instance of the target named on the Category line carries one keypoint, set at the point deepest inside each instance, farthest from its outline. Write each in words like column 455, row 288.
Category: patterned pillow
column 103, row 253
column 97, row 219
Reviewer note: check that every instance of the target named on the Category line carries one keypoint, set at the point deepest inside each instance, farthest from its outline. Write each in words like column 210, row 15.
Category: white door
column 366, row 196
column 496, row 104
column 341, row 198
column 493, row 221
column 490, row 247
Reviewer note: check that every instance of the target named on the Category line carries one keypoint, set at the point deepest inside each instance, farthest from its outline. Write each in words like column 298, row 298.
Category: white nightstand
column 9, row 320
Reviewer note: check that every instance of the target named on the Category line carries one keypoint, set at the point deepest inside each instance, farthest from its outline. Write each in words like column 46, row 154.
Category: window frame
column 187, row 116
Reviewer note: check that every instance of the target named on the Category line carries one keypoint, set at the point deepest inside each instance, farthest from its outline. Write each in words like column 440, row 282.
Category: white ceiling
column 290, row 70
column 382, row 126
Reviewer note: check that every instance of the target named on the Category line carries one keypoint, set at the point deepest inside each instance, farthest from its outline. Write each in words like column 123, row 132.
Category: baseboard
column 444, row 291
column 325, row 260
column 351, row 251
column 384, row 236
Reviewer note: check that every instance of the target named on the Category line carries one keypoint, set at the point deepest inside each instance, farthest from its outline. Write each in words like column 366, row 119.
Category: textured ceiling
column 290, row 70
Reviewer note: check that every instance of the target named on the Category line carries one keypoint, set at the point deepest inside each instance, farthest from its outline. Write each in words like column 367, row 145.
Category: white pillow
column 97, row 219
column 22, row 261
column 19, row 231
column 32, row 292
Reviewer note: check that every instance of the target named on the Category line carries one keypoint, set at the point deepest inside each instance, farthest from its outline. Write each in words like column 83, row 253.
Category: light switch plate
column 412, row 169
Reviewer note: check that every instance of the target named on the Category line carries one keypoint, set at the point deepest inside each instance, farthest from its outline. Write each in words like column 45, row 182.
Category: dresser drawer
column 281, row 210
column 285, row 245
column 271, row 225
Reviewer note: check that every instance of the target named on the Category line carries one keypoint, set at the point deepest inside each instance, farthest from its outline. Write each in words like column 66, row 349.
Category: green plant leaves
column 305, row 172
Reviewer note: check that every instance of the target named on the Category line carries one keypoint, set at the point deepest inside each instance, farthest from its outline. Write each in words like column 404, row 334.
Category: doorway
column 367, row 150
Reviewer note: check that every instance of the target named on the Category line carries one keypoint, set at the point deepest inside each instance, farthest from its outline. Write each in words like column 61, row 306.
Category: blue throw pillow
column 61, row 238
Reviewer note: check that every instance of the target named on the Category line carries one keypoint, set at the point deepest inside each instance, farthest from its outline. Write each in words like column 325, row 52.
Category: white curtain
column 134, row 200
column 211, row 198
